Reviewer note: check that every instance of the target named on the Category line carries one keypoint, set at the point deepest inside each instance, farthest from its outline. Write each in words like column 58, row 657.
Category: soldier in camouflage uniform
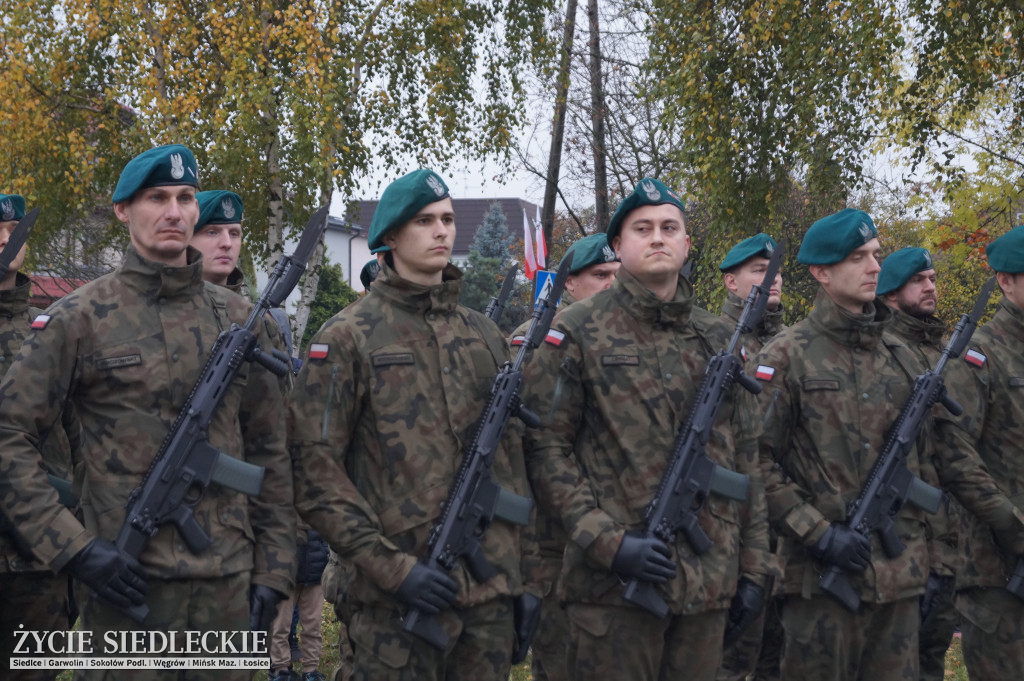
column 124, row 351
column 836, row 382
column 593, row 270
column 30, row 594
column 758, row 649
column 906, row 283
column 218, row 236
column 614, row 383
column 382, row 408
column 992, row 618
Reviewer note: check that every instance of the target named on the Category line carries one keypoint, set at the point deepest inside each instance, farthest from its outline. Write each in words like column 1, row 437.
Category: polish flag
column 529, row 262
column 542, row 247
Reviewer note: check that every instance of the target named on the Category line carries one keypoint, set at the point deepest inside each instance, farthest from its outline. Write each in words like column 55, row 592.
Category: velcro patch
column 765, row 373
column 118, row 362
column 1017, row 381
column 392, row 358
column 318, row 351
column 811, row 384
column 976, row 358
column 620, row 360
column 41, row 321
column 555, row 337
column 743, row 353
column 518, row 340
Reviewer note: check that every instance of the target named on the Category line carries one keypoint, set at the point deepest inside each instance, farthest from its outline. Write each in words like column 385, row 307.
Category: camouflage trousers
column 758, row 651
column 36, row 601
column 480, row 640
column 993, row 634
column 550, row 642
column 936, row 635
column 827, row 642
column 628, row 643
column 216, row 604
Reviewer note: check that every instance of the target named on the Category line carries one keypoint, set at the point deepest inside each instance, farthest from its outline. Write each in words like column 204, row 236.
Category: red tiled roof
column 47, row 289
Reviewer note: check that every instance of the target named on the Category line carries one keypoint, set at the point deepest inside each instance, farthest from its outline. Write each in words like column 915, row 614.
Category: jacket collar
column 646, row 307
column 767, row 327
column 1010, row 319
column 403, row 293
column 915, row 330
column 846, row 328
column 159, row 280
column 15, row 300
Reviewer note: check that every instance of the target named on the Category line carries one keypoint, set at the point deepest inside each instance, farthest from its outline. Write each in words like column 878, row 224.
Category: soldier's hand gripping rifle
column 891, row 484
column 474, row 499
column 691, row 476
column 187, row 463
column 497, row 305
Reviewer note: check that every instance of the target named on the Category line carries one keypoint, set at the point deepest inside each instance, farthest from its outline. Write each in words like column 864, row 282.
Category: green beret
column 649, row 192
column 1006, row 254
column 172, row 164
column 592, row 249
column 12, row 207
column 369, row 272
column 900, row 266
column 831, row 239
column 219, row 207
column 757, row 245
column 402, row 199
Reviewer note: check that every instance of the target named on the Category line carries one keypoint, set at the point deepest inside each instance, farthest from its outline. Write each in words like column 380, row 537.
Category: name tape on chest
column 40, row 321
column 318, row 351
column 764, row 372
column 976, row 358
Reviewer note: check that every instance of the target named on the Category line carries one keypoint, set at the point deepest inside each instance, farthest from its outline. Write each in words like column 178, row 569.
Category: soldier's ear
column 121, row 211
column 821, row 273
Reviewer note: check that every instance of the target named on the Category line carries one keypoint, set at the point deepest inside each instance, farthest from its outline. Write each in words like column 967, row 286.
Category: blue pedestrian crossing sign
column 543, row 282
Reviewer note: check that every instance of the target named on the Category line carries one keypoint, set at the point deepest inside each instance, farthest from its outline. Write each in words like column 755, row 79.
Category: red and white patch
column 765, row 373
column 743, row 353
column 41, row 321
column 976, row 358
column 518, row 340
column 318, row 351
column 554, row 337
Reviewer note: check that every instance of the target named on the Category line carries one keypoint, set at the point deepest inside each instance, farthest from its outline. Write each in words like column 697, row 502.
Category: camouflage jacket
column 15, row 317
column 236, row 284
column 386, row 401
column 993, row 429
column 767, row 328
column 835, row 383
column 614, row 384
column 125, row 350
column 924, row 338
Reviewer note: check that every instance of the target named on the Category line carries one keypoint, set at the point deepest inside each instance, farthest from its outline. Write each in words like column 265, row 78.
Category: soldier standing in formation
column 759, row 647
column 613, row 384
column 593, row 270
column 30, row 594
column 218, row 236
column 993, row 428
column 906, row 283
column 382, row 409
column 124, row 351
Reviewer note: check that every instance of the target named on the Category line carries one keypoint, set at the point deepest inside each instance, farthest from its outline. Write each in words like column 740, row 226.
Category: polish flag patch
column 318, row 351
column 743, row 353
column 555, row 337
column 976, row 358
column 518, row 340
column 41, row 321
column 765, row 373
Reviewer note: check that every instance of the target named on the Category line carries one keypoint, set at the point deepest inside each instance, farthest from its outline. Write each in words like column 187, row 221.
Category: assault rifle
column 891, row 484
column 497, row 305
column 474, row 499
column 187, row 463
column 691, row 476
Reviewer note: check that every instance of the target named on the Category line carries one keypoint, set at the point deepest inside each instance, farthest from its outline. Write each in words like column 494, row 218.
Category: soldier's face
column 1012, row 286
column 6, row 228
column 420, row 248
column 852, row 282
column 653, row 242
column 918, row 297
column 220, row 246
column 751, row 274
column 160, row 221
column 591, row 280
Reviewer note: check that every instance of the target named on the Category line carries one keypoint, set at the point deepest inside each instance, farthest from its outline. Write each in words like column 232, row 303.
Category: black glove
column 844, row 548
column 746, row 605
column 263, row 603
column 933, row 591
column 526, row 612
column 429, row 590
column 115, row 576
column 643, row 558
